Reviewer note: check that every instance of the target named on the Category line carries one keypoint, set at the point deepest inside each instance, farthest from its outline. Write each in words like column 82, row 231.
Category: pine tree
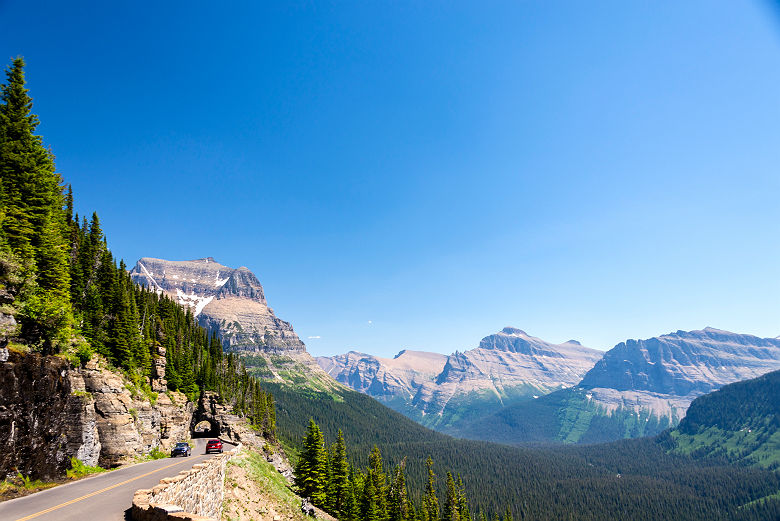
column 377, row 475
column 339, row 484
column 451, row 512
column 463, row 504
column 33, row 225
column 21, row 158
column 398, row 498
column 430, row 506
column 351, row 509
column 369, row 507
column 311, row 471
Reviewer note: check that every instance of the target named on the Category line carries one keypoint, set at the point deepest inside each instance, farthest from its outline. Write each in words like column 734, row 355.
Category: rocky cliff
column 224, row 299
column 50, row 412
column 441, row 391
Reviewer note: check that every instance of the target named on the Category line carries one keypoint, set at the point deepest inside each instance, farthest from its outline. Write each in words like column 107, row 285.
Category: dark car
column 214, row 446
column 181, row 449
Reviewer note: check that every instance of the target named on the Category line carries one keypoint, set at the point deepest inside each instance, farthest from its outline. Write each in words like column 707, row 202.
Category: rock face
column 664, row 374
column 230, row 301
column 441, row 391
column 44, row 420
column 129, row 425
column 50, row 412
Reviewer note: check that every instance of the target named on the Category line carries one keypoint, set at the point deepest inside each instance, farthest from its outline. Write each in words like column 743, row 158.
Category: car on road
column 181, row 449
column 214, row 446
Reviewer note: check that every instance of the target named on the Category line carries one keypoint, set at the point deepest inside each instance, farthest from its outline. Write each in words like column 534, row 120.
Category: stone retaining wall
column 191, row 495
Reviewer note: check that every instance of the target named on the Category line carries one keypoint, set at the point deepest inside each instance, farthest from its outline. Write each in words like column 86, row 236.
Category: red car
column 214, row 446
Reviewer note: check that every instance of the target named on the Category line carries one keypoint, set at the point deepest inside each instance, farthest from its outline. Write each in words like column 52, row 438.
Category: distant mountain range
column 443, row 391
column 514, row 388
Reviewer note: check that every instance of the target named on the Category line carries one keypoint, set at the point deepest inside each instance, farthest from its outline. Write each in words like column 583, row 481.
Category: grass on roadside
column 266, row 476
column 78, row 469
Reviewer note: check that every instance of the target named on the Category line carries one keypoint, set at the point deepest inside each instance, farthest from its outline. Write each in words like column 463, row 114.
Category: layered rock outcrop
column 128, row 424
column 230, row 301
column 50, row 412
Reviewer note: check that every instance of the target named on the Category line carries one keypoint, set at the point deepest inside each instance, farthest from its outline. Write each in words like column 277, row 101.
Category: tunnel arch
column 204, row 428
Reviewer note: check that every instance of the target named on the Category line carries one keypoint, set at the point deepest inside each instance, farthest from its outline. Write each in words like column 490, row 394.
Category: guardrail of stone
column 192, row 495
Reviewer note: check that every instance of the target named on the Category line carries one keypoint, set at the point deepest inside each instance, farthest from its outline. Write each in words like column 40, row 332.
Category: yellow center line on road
column 61, row 505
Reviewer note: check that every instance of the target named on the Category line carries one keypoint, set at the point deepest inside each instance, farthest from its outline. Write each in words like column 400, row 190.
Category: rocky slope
column 665, row 374
column 443, row 391
column 229, row 300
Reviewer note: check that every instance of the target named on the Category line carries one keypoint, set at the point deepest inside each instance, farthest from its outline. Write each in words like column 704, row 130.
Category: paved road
column 103, row 497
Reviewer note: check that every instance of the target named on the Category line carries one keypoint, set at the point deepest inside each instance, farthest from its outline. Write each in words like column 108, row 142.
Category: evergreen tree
column 451, row 511
column 339, row 484
column 33, row 225
column 351, row 508
column 398, row 498
column 430, row 506
column 377, row 475
column 463, row 504
column 369, row 502
column 311, row 471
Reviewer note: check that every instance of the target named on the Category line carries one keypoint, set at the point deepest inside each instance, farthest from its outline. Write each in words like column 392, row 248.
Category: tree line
column 63, row 287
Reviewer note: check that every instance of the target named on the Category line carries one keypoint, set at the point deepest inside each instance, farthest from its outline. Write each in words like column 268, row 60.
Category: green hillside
column 739, row 423
column 566, row 416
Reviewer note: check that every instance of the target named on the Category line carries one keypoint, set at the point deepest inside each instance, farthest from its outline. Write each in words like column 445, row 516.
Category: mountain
column 444, row 391
column 639, row 388
column 232, row 303
column 740, row 422
column 227, row 299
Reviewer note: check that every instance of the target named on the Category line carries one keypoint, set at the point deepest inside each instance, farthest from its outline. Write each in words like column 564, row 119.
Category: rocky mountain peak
column 230, row 301
column 243, row 283
column 515, row 340
column 513, row 331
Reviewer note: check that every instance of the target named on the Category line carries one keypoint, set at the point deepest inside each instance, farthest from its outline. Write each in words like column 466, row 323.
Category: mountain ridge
column 437, row 389
column 639, row 388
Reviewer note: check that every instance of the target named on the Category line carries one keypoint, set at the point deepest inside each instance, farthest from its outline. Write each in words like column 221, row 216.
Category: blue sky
column 421, row 174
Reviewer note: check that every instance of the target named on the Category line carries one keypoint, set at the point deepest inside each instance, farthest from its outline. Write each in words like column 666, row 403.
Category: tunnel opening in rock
column 205, row 429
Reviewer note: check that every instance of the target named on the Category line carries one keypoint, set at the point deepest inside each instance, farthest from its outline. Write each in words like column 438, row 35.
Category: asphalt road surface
column 103, row 497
